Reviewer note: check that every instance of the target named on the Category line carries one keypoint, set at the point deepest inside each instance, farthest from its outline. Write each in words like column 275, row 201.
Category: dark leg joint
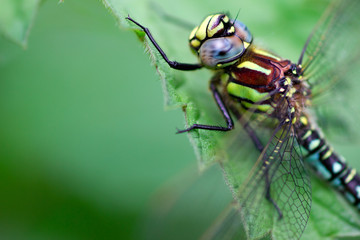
column 222, row 107
column 207, row 127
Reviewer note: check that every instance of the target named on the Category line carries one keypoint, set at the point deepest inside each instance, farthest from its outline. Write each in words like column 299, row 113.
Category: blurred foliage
column 16, row 17
column 81, row 144
column 84, row 139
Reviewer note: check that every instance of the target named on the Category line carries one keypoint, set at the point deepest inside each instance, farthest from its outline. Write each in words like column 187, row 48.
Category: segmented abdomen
column 328, row 164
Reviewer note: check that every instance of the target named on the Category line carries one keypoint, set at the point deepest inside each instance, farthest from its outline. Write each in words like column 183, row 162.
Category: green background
column 84, row 139
column 82, row 127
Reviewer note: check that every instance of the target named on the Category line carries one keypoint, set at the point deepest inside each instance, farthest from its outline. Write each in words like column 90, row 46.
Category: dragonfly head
column 220, row 41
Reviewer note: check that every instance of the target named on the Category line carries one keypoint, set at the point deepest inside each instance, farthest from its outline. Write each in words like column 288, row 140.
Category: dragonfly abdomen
column 328, row 164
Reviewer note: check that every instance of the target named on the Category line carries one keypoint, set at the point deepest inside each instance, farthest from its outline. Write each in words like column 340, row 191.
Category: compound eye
column 218, row 51
column 242, row 31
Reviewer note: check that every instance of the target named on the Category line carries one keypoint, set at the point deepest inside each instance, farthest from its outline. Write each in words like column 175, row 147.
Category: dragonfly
column 271, row 99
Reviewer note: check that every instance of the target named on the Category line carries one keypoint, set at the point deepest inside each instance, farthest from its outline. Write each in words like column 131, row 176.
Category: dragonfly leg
column 172, row 64
column 249, row 130
column 268, row 195
column 224, row 111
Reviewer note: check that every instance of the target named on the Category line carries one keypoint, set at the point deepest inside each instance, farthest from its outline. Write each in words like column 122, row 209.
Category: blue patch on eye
column 247, row 37
column 221, row 50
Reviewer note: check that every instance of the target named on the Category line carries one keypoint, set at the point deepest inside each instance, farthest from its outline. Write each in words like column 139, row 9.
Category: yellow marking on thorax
column 254, row 66
column 266, row 54
column 304, row 120
column 288, row 81
column 291, row 92
column 241, row 91
column 260, row 107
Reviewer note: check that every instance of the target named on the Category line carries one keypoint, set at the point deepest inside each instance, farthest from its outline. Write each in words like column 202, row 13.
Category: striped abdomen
column 329, row 165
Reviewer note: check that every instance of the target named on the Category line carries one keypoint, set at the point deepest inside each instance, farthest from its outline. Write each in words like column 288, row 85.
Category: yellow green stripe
column 201, row 32
column 266, row 54
column 246, row 92
column 254, row 66
column 260, row 107
column 350, row 176
column 211, row 32
column 193, row 32
column 327, row 154
column 307, row 134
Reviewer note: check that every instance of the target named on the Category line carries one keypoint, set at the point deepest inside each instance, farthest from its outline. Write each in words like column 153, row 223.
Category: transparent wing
column 275, row 198
column 331, row 64
column 289, row 182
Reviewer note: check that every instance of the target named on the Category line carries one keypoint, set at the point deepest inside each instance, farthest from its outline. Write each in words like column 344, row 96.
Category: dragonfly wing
column 281, row 185
column 274, row 192
column 290, row 185
column 330, row 61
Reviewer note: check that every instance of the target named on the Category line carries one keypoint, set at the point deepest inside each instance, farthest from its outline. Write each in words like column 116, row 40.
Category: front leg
column 172, row 64
column 219, row 101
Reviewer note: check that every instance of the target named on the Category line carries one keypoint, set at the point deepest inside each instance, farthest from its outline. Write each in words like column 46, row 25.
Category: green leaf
column 281, row 26
column 16, row 18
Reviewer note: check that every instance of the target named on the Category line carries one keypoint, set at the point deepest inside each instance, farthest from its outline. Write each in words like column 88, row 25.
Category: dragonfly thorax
column 265, row 83
column 220, row 41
